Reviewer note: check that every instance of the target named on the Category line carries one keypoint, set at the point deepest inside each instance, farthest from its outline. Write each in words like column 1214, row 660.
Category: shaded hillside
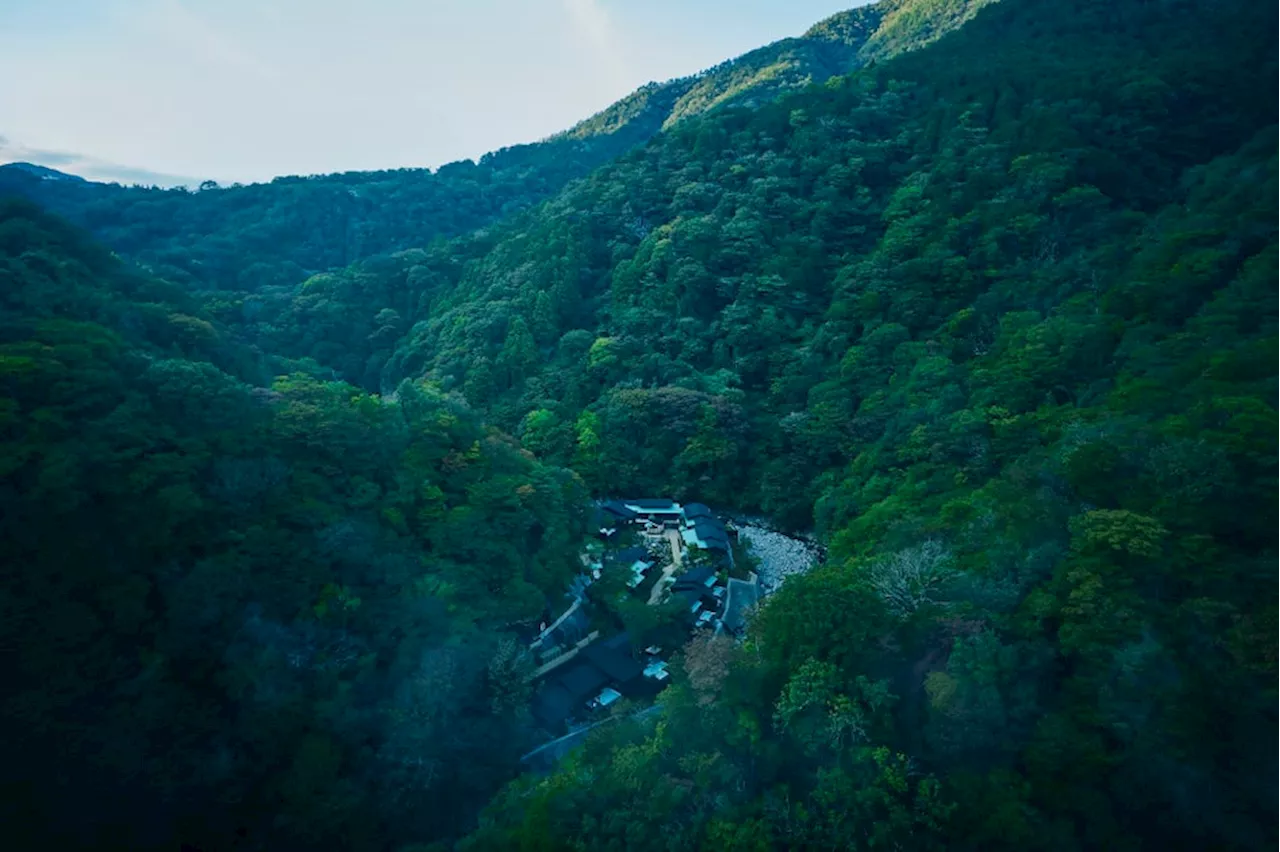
column 999, row 316
column 248, row 238
column 240, row 615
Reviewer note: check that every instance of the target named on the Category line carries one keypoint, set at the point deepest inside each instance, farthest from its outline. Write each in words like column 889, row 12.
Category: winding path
column 655, row 596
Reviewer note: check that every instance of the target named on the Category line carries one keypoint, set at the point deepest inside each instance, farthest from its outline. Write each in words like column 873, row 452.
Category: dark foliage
column 996, row 317
column 235, row 614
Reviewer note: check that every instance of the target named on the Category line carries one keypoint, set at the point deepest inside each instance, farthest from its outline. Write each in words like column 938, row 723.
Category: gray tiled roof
column 697, row 510
column 741, row 597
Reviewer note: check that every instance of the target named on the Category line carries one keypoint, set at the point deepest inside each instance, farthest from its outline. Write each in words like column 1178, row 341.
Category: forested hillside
column 996, row 318
column 251, row 238
column 771, row 263
column 999, row 317
column 274, row 611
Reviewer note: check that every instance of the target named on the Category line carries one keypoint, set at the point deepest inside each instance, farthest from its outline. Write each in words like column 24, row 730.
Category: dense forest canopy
column 989, row 305
column 233, row 604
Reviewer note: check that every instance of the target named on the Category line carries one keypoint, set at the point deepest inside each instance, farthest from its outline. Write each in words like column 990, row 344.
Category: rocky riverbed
column 780, row 556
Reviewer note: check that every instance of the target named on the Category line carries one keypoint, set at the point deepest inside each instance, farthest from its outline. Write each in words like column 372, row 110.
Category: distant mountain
column 296, row 226
column 41, row 172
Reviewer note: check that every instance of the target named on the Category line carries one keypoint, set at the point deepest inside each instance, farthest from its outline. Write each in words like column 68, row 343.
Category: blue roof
column 696, row 578
column 697, row 510
column 711, row 533
column 618, row 510
column 613, row 657
column 742, row 596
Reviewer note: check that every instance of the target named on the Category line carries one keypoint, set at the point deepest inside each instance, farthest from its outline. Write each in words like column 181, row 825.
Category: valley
column 945, row 333
column 679, row 561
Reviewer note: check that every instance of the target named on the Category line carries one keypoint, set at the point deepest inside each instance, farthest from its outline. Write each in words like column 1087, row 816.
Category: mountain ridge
column 182, row 234
column 43, row 172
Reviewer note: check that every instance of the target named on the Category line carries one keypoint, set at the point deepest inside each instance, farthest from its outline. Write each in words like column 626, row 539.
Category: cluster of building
column 698, row 526
column 581, row 673
column 599, row 675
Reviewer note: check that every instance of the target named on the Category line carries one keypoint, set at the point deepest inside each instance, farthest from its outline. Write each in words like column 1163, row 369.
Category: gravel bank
column 780, row 555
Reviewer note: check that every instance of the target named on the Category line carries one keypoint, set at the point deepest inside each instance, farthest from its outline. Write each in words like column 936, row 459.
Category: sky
column 178, row 91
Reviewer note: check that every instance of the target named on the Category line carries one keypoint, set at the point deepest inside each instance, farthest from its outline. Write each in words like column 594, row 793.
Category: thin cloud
column 88, row 167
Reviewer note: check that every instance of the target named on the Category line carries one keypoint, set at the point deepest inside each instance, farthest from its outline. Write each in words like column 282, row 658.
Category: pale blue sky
column 250, row 89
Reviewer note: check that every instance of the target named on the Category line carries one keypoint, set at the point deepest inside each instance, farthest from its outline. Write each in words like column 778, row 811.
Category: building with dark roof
column 636, row 560
column 712, row 536
column 705, row 594
column 743, row 595
column 694, row 511
column 613, row 657
column 706, row 535
column 563, row 633
column 699, row 576
column 618, row 511
column 607, row 517
column 698, row 604
column 696, row 590
column 566, row 692
column 608, row 663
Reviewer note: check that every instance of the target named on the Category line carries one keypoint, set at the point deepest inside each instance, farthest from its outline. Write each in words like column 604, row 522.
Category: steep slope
column 253, row 237
column 245, row 616
column 903, row 26
column 714, row 255
column 830, row 48
column 999, row 317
